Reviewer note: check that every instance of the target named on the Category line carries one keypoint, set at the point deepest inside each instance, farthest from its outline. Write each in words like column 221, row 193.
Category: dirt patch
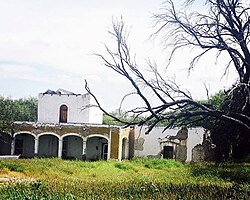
column 12, row 180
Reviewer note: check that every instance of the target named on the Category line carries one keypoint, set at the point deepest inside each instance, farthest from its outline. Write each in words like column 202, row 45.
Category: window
column 63, row 114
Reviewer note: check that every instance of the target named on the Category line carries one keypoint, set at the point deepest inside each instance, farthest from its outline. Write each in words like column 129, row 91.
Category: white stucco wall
column 95, row 114
column 49, row 108
column 152, row 147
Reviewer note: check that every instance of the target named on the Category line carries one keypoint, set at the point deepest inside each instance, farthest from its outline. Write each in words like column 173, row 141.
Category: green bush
column 124, row 166
column 153, row 163
column 12, row 166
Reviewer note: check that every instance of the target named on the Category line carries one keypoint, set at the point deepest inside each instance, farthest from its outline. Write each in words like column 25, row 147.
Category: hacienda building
column 69, row 127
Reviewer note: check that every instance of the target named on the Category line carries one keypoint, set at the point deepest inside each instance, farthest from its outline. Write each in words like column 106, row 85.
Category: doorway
column 168, row 152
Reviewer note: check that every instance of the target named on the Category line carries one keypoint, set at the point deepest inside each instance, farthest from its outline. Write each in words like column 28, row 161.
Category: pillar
column 109, row 143
column 119, row 146
column 13, row 146
column 36, row 147
column 60, row 145
column 84, row 146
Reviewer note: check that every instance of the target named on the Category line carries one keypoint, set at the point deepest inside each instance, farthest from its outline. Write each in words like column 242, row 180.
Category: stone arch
column 22, row 132
column 48, row 144
column 97, row 147
column 97, row 135
column 72, row 134
column 48, row 133
column 72, row 146
column 24, row 144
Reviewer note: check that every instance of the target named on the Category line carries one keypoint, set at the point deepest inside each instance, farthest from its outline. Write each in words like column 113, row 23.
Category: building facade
column 62, row 106
column 176, row 143
column 70, row 126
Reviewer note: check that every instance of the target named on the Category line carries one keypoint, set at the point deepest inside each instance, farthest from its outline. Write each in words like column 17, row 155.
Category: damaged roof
column 59, row 92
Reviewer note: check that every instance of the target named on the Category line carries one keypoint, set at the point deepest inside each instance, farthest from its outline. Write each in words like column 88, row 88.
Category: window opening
column 63, row 114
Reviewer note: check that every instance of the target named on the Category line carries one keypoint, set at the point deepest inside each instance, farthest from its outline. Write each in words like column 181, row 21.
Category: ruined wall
column 181, row 153
column 205, row 151
column 150, row 146
column 198, row 153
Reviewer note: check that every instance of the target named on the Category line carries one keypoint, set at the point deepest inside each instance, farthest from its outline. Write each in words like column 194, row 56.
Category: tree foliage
column 16, row 110
column 120, row 114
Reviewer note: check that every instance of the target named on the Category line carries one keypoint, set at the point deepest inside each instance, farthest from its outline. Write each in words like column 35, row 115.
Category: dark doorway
column 63, row 114
column 5, row 144
column 168, row 152
column 104, row 151
column 48, row 146
column 72, row 147
column 18, row 146
column 96, row 148
column 24, row 145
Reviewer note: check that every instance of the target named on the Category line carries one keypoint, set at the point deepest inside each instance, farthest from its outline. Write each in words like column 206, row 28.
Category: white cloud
column 14, row 71
column 51, row 42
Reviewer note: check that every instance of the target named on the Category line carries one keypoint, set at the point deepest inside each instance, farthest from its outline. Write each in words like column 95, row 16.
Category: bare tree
column 224, row 29
column 175, row 103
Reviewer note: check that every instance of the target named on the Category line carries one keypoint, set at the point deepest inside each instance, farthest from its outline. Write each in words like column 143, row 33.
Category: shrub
column 161, row 163
column 124, row 166
column 12, row 166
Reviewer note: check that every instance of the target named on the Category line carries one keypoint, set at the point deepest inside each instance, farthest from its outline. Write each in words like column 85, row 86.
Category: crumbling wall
column 181, row 153
column 205, row 151
column 198, row 153
column 138, row 145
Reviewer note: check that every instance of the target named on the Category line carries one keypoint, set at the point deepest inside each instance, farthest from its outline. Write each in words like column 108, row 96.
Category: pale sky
column 48, row 44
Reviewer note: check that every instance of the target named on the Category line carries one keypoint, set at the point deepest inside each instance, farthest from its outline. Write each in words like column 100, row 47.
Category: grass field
column 135, row 179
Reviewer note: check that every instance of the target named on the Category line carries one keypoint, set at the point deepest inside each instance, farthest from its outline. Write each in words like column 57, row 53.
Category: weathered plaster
column 63, row 129
column 85, row 131
column 79, row 109
column 152, row 144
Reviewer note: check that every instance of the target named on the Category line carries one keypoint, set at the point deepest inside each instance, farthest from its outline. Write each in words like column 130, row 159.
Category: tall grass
column 139, row 178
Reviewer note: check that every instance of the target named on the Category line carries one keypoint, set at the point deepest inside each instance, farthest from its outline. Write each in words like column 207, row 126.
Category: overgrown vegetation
column 140, row 178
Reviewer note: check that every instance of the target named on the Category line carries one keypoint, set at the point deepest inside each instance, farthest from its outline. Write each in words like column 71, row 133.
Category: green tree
column 121, row 115
column 16, row 110
column 27, row 109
